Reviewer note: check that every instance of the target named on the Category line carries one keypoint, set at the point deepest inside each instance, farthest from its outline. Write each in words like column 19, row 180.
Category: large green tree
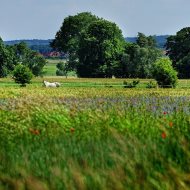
column 178, row 49
column 145, row 41
column 4, row 59
column 67, row 38
column 99, row 49
column 137, row 61
column 92, row 43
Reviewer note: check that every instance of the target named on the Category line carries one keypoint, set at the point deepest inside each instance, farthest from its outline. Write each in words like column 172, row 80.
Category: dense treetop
column 97, row 48
column 10, row 56
column 67, row 38
column 178, row 49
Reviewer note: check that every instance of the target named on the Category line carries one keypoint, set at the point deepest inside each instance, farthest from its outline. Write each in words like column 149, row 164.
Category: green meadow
column 50, row 68
column 94, row 134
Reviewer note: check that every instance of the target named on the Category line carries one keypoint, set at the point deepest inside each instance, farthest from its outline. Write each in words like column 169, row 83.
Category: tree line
column 97, row 48
column 13, row 55
column 41, row 46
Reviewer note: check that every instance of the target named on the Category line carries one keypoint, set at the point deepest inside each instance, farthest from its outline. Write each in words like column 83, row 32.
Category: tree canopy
column 178, row 49
column 164, row 73
column 93, row 44
column 4, row 59
column 12, row 55
column 22, row 75
column 67, row 38
column 99, row 49
column 145, row 41
column 137, row 61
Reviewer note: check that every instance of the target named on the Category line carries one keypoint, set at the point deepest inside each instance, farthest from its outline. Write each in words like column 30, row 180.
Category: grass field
column 50, row 67
column 94, row 134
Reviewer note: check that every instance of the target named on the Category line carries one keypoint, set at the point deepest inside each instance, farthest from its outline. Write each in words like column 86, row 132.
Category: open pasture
column 72, row 81
column 50, row 67
column 92, row 134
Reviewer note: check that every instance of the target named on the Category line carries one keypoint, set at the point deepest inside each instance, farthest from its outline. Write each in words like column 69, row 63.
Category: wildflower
column 163, row 135
column 171, row 124
column 34, row 131
column 72, row 130
column 164, row 112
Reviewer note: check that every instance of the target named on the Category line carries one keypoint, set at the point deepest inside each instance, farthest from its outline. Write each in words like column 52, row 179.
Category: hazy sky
column 41, row 19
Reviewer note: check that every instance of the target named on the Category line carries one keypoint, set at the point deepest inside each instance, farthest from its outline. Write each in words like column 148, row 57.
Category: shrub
column 164, row 73
column 130, row 84
column 22, row 75
column 62, row 69
column 151, row 84
column 60, row 73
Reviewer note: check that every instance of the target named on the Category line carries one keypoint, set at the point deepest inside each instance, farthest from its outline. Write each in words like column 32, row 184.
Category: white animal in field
column 51, row 84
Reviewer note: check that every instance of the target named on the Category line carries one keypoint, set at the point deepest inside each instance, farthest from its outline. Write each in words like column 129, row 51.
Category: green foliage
column 151, row 84
column 4, row 59
column 33, row 60
column 10, row 56
column 99, row 49
column 164, row 73
column 132, row 84
column 144, row 41
column 93, row 44
column 178, row 48
column 137, row 62
column 91, row 139
column 67, row 38
column 62, row 69
column 22, row 75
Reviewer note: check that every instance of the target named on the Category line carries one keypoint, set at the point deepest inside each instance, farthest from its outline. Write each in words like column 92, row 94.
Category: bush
column 164, row 73
column 130, row 84
column 60, row 73
column 62, row 69
column 22, row 75
column 151, row 84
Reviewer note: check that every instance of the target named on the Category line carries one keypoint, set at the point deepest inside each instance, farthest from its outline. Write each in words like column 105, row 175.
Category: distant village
column 55, row 54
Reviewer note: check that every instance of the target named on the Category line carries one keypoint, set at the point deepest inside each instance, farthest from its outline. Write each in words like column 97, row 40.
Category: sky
column 41, row 19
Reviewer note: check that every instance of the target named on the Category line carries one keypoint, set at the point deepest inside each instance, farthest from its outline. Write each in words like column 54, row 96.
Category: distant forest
column 160, row 40
column 43, row 47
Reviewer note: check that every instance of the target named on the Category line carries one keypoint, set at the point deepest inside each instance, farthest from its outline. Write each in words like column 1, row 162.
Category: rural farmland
column 90, row 104
column 84, row 135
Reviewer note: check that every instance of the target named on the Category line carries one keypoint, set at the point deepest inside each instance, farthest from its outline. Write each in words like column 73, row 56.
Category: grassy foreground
column 94, row 138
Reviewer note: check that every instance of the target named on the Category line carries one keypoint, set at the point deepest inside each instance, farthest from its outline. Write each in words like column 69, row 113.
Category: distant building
column 54, row 54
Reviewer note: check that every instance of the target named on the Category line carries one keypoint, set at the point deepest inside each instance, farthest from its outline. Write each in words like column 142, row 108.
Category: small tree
column 22, row 75
column 164, row 73
column 62, row 69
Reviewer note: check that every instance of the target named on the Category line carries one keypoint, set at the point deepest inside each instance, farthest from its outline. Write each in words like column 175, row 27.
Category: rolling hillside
column 161, row 40
column 43, row 46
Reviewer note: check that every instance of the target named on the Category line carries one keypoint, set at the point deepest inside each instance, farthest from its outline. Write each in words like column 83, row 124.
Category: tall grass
column 94, row 138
